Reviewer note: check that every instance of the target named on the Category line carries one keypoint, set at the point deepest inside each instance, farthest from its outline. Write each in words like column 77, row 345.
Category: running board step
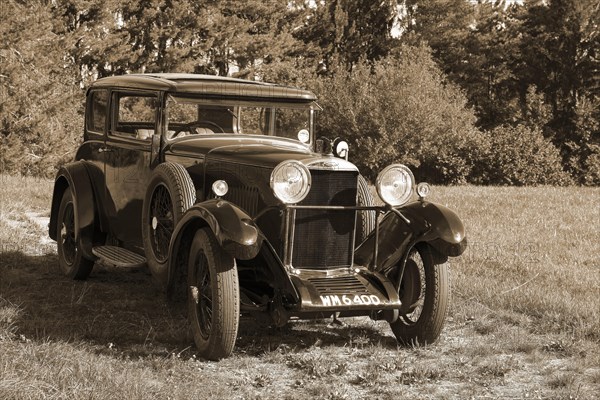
column 118, row 256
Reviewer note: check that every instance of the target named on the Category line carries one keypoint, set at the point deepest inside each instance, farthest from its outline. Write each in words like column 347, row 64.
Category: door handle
column 104, row 150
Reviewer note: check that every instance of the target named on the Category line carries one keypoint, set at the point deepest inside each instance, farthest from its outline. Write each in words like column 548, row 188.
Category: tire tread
column 431, row 321
column 221, row 342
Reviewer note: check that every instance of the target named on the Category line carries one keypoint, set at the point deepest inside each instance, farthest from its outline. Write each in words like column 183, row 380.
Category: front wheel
column 425, row 294
column 213, row 297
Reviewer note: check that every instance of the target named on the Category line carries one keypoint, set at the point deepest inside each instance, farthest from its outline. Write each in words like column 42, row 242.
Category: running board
column 118, row 256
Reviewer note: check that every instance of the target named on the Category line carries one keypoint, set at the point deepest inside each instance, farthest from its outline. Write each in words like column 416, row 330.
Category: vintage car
column 222, row 188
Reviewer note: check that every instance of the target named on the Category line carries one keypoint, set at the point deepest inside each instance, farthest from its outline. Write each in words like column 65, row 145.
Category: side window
column 97, row 111
column 135, row 115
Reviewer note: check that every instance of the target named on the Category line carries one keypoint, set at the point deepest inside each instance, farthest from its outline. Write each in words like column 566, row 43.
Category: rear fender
column 75, row 177
column 233, row 228
column 430, row 223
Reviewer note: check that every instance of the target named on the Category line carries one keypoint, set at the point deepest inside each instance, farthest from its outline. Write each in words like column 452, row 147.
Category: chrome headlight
column 290, row 181
column 395, row 184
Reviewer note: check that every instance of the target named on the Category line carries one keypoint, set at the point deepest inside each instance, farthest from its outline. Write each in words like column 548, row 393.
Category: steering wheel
column 191, row 127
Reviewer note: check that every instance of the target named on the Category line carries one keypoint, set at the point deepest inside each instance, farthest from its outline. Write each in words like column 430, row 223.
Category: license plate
column 349, row 299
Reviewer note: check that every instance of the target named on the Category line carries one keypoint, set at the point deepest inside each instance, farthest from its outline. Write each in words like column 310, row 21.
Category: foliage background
column 488, row 92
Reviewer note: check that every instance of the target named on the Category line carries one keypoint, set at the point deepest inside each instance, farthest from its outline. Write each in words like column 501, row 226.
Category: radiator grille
column 323, row 239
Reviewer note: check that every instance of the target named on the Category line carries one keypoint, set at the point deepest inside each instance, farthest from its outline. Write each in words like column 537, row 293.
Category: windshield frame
column 312, row 107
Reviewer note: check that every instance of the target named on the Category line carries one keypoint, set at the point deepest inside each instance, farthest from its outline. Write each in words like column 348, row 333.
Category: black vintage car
column 221, row 187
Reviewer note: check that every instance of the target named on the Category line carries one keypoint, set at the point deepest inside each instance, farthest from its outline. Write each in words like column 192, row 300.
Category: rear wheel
column 213, row 297
column 70, row 258
column 424, row 293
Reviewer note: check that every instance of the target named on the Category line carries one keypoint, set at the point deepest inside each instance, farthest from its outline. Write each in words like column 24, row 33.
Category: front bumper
column 344, row 290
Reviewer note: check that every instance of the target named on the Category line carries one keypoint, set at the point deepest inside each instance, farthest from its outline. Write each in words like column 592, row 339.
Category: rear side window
column 98, row 111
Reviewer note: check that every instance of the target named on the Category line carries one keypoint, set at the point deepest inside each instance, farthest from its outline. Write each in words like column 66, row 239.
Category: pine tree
column 346, row 31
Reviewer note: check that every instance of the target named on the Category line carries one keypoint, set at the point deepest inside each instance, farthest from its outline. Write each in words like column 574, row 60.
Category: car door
column 133, row 123
column 92, row 150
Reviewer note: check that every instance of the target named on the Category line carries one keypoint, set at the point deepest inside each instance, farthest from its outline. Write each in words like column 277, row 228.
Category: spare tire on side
column 170, row 193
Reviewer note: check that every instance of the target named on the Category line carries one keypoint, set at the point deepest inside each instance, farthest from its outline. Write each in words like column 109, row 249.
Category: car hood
column 255, row 150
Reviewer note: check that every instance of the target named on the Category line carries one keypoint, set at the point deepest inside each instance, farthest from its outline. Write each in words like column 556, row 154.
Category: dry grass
column 533, row 251
column 524, row 323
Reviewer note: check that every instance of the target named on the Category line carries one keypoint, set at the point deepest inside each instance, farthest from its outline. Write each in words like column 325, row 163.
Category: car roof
column 205, row 85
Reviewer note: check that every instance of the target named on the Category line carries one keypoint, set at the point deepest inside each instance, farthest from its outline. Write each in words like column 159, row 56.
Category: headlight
column 394, row 184
column 290, row 181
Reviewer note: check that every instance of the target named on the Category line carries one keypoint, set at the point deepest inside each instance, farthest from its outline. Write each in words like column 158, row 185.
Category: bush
column 400, row 109
column 518, row 155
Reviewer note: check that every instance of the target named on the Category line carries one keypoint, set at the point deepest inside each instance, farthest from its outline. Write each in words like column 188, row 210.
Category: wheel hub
column 195, row 295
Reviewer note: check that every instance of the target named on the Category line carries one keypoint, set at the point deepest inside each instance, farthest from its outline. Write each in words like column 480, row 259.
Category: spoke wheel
column 162, row 222
column 213, row 297
column 71, row 260
column 412, row 291
column 424, row 293
column 170, row 194
column 67, row 235
column 201, row 294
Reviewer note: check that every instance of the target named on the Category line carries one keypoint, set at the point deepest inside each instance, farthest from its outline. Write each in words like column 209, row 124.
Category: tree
column 584, row 142
column 262, row 34
column 213, row 37
column 444, row 25
column 560, row 57
column 474, row 44
column 400, row 109
column 530, row 64
column 40, row 105
column 341, row 32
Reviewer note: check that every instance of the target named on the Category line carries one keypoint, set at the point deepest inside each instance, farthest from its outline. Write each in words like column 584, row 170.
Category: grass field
column 525, row 318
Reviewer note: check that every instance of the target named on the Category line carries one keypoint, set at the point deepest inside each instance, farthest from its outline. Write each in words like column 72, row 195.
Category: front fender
column 233, row 228
column 432, row 223
column 74, row 176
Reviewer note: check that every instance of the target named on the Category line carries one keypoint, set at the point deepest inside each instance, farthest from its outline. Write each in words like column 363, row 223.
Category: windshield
column 187, row 116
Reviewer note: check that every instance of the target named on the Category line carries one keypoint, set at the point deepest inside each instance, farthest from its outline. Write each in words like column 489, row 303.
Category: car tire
column 70, row 258
column 365, row 220
column 425, row 296
column 213, row 297
column 170, row 193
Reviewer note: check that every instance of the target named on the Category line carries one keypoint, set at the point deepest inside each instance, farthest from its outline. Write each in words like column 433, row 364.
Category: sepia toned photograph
column 300, row 199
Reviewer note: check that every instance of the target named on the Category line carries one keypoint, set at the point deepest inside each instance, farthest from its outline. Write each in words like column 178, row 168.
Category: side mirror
column 340, row 148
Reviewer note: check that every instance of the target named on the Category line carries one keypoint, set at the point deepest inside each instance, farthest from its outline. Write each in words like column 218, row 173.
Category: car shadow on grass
column 121, row 308
column 298, row 335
